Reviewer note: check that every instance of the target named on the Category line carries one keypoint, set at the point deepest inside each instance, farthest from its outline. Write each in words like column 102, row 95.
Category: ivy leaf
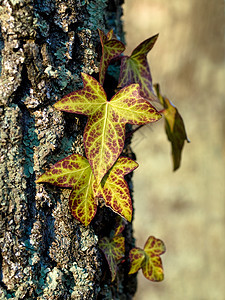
column 105, row 130
column 119, row 227
column 111, row 48
column 174, row 127
column 148, row 259
column 114, row 250
column 114, row 188
column 137, row 258
column 135, row 69
column 74, row 172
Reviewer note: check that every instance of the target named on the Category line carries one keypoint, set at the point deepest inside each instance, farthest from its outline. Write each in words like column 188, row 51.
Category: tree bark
column 45, row 252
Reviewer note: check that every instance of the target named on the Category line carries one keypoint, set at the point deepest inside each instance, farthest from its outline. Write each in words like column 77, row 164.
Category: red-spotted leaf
column 120, row 225
column 114, row 250
column 137, row 257
column 135, row 69
column 74, row 172
column 110, row 35
column 111, row 48
column 105, row 130
column 114, row 188
column 174, row 127
column 148, row 259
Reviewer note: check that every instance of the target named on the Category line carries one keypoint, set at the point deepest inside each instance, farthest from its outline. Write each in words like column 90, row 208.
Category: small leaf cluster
column 100, row 174
column 147, row 259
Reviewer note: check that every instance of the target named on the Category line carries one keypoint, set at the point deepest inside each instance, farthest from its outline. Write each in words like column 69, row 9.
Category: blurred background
column 184, row 208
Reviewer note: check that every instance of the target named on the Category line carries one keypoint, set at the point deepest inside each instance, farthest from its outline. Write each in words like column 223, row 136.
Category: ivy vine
column 101, row 173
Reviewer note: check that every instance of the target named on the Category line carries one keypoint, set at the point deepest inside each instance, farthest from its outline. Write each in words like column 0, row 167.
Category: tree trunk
column 45, row 252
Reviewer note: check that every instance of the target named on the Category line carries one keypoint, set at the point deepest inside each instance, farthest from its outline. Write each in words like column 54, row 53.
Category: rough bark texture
column 45, row 252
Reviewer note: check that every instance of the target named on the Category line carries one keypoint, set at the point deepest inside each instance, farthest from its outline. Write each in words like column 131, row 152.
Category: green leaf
column 114, row 188
column 135, row 69
column 148, row 259
column 111, row 48
column 114, row 250
column 74, row 172
column 105, row 130
column 174, row 127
